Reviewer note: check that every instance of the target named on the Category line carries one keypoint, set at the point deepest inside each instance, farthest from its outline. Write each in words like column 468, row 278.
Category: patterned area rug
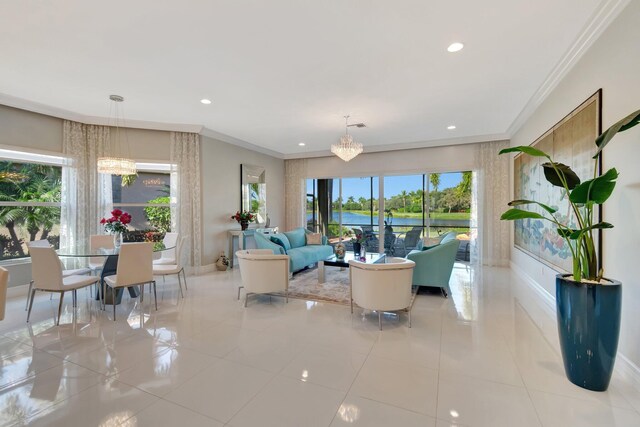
column 304, row 285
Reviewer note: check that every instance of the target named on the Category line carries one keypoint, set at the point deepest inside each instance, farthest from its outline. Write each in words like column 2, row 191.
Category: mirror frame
column 252, row 174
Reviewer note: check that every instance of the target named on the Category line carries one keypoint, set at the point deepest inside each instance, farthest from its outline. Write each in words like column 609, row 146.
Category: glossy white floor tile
column 408, row 386
column 167, row 414
column 286, row 402
column 486, row 356
column 221, row 390
column 358, row 411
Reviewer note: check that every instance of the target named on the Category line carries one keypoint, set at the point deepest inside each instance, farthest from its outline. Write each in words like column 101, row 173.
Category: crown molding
column 61, row 113
column 239, row 142
column 474, row 139
column 599, row 21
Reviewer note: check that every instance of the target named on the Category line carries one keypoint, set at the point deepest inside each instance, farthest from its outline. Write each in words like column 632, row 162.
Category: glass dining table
column 109, row 267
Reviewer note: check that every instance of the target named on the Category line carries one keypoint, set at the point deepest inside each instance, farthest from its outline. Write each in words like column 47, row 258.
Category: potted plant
column 588, row 305
column 244, row 218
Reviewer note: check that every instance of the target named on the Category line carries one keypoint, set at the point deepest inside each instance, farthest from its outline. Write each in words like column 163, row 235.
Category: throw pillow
column 314, row 239
column 281, row 239
column 296, row 237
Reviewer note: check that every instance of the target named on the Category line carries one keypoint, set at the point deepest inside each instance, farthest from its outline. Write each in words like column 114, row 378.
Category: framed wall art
column 572, row 142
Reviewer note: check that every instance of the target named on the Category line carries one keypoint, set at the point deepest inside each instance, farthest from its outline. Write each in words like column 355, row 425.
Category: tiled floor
column 477, row 359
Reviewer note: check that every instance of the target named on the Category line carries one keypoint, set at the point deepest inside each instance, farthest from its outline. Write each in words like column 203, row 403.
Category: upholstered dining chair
column 168, row 256
column 4, row 282
column 170, row 269
column 135, row 268
column 97, row 242
column 48, row 277
column 44, row 243
column 382, row 287
column 263, row 272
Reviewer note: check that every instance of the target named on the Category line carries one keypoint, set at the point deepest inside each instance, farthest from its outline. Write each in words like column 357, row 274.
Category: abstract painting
column 572, row 142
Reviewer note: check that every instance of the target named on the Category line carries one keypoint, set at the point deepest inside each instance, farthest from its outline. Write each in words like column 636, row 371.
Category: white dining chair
column 135, row 268
column 97, row 242
column 4, row 282
column 65, row 273
column 382, row 287
column 47, row 277
column 168, row 256
column 263, row 272
column 170, row 269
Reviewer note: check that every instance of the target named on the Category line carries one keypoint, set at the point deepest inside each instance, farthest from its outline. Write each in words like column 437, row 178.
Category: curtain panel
column 186, row 210
column 295, row 194
column 490, row 196
column 86, row 195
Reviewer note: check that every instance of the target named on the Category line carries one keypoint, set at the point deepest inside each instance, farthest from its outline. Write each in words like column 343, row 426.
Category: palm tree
column 403, row 195
column 434, row 179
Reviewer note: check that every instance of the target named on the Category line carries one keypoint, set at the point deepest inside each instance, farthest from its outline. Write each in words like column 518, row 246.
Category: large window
column 416, row 208
column 29, row 201
column 145, row 197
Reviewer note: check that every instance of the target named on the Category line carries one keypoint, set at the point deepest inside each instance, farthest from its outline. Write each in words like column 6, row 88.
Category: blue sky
column 360, row 187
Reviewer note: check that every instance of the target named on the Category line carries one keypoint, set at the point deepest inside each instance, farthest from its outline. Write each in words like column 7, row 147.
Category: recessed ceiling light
column 455, row 47
column 205, row 101
column 301, row 144
column 451, row 127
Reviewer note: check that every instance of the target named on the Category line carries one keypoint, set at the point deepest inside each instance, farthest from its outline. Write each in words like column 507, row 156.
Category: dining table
column 109, row 268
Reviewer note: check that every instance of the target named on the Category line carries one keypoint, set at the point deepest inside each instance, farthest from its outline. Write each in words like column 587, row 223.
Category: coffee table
column 332, row 261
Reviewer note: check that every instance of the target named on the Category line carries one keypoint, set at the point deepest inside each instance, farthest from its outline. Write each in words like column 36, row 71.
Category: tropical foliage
column 159, row 217
column 21, row 184
column 584, row 197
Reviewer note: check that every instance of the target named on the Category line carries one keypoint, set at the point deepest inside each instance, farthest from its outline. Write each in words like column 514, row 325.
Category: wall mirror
column 254, row 191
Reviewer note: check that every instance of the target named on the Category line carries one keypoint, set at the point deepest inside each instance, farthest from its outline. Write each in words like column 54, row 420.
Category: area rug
column 304, row 285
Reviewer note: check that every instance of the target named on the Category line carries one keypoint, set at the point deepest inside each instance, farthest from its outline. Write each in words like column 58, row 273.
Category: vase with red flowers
column 244, row 218
column 116, row 225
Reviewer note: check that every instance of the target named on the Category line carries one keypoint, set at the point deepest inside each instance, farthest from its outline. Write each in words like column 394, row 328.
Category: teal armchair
column 434, row 265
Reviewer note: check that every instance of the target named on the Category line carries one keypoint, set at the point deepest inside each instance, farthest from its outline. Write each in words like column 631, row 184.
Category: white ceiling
column 284, row 71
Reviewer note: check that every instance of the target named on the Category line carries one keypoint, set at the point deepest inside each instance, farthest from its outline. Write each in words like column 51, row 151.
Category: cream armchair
column 263, row 272
column 382, row 287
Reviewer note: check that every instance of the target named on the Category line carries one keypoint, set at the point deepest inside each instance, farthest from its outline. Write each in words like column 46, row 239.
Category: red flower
column 103, row 221
column 125, row 218
column 112, row 219
column 116, row 213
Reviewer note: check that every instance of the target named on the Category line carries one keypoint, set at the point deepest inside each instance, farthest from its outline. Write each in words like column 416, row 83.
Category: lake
column 350, row 218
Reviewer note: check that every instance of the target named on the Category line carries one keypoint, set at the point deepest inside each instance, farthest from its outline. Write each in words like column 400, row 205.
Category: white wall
column 613, row 64
column 221, row 192
column 450, row 158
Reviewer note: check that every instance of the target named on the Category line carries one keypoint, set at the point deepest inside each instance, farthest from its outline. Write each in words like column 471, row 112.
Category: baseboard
column 624, row 367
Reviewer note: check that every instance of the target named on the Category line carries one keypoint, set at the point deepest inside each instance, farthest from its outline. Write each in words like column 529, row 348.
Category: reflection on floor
column 487, row 356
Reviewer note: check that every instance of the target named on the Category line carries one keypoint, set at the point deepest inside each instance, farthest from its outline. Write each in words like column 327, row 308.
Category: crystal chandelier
column 347, row 148
column 117, row 164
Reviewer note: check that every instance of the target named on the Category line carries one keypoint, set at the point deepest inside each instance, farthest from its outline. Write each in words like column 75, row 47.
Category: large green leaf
column 526, row 150
column 565, row 232
column 627, row 123
column 528, row 202
column 513, row 214
column 599, row 226
column 595, row 190
column 554, row 175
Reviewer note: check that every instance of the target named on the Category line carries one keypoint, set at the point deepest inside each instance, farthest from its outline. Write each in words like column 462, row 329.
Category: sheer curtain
column 185, row 194
column 295, row 195
column 86, row 195
column 490, row 196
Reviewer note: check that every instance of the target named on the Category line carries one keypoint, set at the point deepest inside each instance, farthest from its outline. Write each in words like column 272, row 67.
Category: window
column 146, row 197
column 29, row 201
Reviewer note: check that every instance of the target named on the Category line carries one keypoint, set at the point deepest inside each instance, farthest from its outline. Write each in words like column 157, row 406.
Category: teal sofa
column 434, row 264
column 294, row 244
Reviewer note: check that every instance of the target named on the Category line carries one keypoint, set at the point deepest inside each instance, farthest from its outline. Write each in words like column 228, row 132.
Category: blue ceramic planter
column 589, row 327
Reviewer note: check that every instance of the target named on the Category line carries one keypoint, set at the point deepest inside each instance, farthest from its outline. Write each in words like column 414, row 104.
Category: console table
column 239, row 240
